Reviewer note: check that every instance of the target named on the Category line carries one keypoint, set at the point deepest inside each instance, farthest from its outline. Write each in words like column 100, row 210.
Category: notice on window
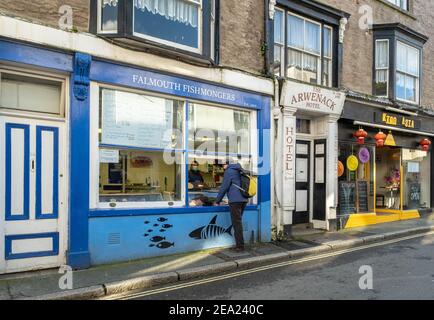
column 108, row 156
column 134, row 120
column 413, row 167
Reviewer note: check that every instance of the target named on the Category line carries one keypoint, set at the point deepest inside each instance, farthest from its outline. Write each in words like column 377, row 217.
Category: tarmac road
column 403, row 270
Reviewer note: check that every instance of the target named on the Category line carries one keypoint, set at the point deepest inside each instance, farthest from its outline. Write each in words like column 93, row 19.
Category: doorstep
column 380, row 217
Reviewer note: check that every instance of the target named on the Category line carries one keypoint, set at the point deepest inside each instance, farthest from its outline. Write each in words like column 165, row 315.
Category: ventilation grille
column 114, row 239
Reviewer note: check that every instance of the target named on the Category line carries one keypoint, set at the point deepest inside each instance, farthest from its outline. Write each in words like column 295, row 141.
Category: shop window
column 145, row 160
column 416, row 167
column 27, row 93
column 304, row 48
column 173, row 25
column 216, row 136
column 398, row 61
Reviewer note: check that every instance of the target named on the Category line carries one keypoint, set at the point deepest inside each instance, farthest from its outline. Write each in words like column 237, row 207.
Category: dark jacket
column 232, row 176
column 195, row 177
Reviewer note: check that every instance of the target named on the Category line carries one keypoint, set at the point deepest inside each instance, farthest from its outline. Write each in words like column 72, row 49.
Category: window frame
column 401, row 5
column 321, row 56
column 406, row 74
column 94, row 194
column 208, row 33
column 388, row 66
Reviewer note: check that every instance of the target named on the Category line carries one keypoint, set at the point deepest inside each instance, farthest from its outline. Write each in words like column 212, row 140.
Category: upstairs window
column 403, row 4
column 303, row 49
column 398, row 60
column 187, row 27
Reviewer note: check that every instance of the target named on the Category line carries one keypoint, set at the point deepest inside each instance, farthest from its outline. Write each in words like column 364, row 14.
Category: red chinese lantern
column 380, row 137
column 361, row 136
column 425, row 144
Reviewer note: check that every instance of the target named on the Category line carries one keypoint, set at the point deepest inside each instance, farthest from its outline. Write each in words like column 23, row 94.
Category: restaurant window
column 416, row 166
column 187, row 27
column 306, row 52
column 145, row 159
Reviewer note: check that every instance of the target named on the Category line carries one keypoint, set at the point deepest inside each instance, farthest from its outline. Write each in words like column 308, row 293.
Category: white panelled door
column 32, row 188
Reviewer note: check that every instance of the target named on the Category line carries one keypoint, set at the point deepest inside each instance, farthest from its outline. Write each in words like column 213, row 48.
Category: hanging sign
column 395, row 120
column 352, row 163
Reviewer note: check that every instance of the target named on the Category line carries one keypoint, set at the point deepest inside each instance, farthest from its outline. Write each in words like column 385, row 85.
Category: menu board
column 414, row 190
column 347, row 197
column 362, row 194
column 135, row 120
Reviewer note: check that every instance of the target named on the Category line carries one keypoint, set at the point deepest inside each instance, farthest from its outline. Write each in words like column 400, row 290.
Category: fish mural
column 165, row 245
column 158, row 240
column 212, row 230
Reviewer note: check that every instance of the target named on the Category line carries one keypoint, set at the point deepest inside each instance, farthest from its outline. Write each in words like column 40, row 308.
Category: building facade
column 114, row 132
column 372, row 61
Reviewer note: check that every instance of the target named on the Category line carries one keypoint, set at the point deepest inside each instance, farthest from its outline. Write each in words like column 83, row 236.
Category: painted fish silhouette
column 167, row 226
column 162, row 230
column 162, row 220
column 212, row 230
column 150, row 230
column 146, row 235
column 156, row 225
column 165, row 245
column 152, row 245
column 158, row 239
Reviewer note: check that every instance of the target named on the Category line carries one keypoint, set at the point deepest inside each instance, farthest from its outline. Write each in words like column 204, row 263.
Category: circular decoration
column 352, row 163
column 364, row 155
column 341, row 169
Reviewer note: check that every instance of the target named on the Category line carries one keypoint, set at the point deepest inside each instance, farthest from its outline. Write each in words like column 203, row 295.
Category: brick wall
column 358, row 46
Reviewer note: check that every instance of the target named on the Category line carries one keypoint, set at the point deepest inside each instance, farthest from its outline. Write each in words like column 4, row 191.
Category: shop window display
column 416, row 169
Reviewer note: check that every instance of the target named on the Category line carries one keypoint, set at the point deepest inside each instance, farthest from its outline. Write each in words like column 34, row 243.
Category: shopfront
column 127, row 166
column 384, row 165
column 306, row 179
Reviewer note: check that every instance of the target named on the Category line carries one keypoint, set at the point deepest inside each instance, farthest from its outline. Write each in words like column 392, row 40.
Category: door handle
column 32, row 165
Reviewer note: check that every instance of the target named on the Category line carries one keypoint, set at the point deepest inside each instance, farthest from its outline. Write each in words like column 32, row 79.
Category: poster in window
column 136, row 120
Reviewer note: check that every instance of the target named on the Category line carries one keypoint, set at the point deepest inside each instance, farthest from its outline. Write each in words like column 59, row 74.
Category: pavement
column 107, row 280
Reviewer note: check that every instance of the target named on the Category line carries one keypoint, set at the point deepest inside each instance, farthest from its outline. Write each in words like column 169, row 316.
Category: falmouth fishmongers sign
column 311, row 98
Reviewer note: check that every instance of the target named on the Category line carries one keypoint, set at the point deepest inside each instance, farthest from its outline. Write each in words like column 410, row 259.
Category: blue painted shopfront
column 98, row 236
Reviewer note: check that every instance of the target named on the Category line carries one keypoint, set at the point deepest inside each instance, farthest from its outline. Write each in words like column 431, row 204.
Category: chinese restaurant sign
column 311, row 98
column 399, row 121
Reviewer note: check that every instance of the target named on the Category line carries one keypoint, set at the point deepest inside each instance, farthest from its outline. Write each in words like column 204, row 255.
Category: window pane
column 295, row 65
column 382, row 54
column 279, row 36
column 176, row 21
column 109, row 15
column 327, row 42
column 310, row 68
column 401, row 62
column 141, row 121
column 327, row 73
column 416, row 165
column 400, row 85
column 139, row 176
column 303, row 126
column 205, row 177
column 410, row 88
column 216, row 129
column 295, row 32
column 30, row 94
column 381, row 82
column 312, row 37
column 413, row 61
column 278, row 60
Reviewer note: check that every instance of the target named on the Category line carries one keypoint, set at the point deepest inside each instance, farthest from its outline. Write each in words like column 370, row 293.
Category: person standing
column 237, row 202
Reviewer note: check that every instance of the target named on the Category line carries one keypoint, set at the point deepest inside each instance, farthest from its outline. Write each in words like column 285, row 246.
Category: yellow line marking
column 264, row 268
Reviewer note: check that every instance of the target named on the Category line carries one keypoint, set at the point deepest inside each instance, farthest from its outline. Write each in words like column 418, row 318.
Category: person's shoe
column 239, row 249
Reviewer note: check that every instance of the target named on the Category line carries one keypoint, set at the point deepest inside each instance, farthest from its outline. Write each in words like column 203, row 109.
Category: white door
column 33, row 199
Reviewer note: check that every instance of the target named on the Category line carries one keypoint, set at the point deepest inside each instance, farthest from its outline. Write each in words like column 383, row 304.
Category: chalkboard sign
column 347, row 197
column 362, row 195
column 414, row 195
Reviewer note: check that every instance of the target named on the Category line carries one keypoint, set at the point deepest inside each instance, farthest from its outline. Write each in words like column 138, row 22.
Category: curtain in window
column 310, row 63
column 175, row 10
column 312, row 37
column 295, row 32
column 382, row 54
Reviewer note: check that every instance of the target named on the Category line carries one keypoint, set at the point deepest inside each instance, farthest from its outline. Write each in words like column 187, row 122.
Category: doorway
column 301, row 214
